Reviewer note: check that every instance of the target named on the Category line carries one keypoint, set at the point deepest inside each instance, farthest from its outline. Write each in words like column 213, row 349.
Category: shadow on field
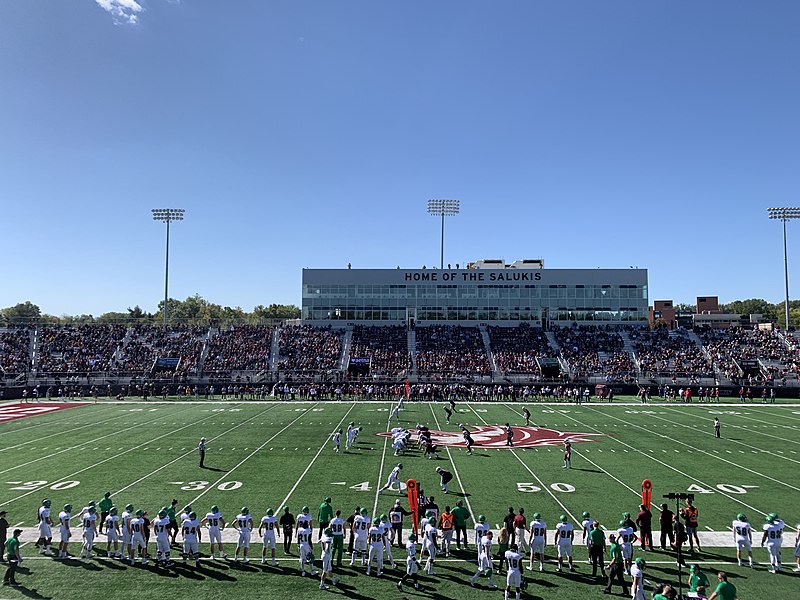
column 213, row 469
column 587, row 470
column 88, row 565
column 350, row 591
column 31, row 592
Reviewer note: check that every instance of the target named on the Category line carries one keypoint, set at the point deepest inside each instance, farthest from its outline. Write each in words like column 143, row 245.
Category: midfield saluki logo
column 494, row 436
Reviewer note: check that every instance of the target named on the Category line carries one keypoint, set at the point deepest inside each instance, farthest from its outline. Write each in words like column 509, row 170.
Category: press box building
column 488, row 292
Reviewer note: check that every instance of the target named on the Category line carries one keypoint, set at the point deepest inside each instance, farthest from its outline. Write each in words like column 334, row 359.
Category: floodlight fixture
column 443, row 208
column 167, row 215
column 785, row 213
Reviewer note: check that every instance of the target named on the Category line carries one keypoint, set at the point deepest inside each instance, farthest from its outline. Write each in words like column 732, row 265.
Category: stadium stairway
column 630, row 349
column 347, row 343
column 412, row 350
column 487, row 347
column 274, row 350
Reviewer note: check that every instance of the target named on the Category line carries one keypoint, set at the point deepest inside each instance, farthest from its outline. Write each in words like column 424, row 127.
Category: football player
column 375, row 547
column 326, row 542
column 773, row 536
column 89, row 524
column 481, row 527
column 431, row 541
column 306, row 553
column 563, row 537
column 267, row 529
column 743, row 536
column 161, row 529
column 360, row 528
column 45, row 528
column 191, row 533
column 63, row 522
column 394, row 477
column 626, row 539
column 586, row 526
column 484, row 560
column 514, row 576
column 412, row 566
column 215, row 523
column 244, row 525
column 125, row 525
column 538, row 540
column 112, row 533
column 138, row 543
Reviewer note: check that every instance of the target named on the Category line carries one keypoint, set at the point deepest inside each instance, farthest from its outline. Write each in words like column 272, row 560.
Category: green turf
column 270, row 453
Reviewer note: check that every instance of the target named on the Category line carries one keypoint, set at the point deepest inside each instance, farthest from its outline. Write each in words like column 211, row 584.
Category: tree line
column 195, row 310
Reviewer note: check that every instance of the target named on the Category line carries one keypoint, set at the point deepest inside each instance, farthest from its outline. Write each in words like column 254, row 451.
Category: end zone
column 12, row 412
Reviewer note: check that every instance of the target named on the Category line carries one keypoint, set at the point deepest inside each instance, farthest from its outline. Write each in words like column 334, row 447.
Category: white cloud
column 124, row 12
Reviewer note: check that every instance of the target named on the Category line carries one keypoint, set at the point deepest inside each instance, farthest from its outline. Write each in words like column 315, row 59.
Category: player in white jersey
column 215, row 523
column 375, row 547
column 190, row 531
column 125, row 526
column 430, row 542
column 267, row 529
column 337, row 440
column 386, row 527
column 797, row 550
column 45, row 528
column 360, row 528
column 306, row 553
column 412, row 566
column 514, row 576
column 326, row 543
column 63, row 524
column 138, row 543
column 626, row 539
column 586, row 527
column 244, row 525
column 743, row 536
column 161, row 530
column 89, row 525
column 481, row 527
column 112, row 533
column 395, row 414
column 637, row 575
column 562, row 539
column 484, row 560
column 350, row 436
column 773, row 536
column 538, row 540
column 394, row 477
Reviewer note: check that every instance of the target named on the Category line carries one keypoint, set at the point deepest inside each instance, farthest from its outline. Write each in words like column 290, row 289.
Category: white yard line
column 253, row 453
column 455, row 470
column 543, row 485
column 112, row 457
column 727, row 439
column 668, row 466
column 380, row 470
column 75, row 447
column 313, row 460
column 192, row 451
column 793, row 428
column 725, row 460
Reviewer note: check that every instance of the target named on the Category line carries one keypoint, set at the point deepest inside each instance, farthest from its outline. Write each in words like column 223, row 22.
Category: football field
column 270, row 454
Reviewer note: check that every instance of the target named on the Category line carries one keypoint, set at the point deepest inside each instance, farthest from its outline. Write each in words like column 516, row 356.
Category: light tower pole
column 167, row 215
column 784, row 214
column 443, row 208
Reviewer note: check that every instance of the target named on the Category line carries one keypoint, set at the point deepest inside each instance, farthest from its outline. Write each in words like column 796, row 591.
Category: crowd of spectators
column 662, row 353
column 147, row 343
column 239, row 348
column 594, row 350
column 77, row 348
column 451, row 350
column 306, row 348
column 517, row 349
column 15, row 351
column 727, row 347
column 386, row 346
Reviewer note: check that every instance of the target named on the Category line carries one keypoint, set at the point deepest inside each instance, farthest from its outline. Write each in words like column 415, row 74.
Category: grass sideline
column 262, row 454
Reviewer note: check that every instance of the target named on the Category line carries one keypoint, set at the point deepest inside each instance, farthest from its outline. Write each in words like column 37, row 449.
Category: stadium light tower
column 443, row 208
column 167, row 215
column 784, row 214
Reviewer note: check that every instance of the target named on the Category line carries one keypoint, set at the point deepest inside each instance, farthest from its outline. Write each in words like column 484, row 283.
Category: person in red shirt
column 520, row 529
column 645, row 522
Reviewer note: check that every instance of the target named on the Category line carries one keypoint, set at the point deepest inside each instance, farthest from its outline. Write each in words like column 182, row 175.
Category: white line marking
column 380, row 469
column 246, row 458
column 313, row 460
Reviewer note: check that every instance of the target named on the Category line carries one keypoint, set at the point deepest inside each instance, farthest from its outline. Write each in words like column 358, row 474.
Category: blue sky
column 312, row 133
